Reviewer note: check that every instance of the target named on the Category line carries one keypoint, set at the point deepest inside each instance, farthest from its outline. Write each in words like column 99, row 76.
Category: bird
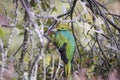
column 65, row 43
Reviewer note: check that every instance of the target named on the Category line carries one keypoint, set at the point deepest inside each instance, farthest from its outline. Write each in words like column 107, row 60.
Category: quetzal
column 65, row 43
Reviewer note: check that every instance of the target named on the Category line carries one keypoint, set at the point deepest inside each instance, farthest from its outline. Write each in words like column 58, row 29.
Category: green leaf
column 1, row 33
column 19, row 26
column 21, row 33
column 49, row 21
column 33, row 3
column 47, row 59
column 54, row 9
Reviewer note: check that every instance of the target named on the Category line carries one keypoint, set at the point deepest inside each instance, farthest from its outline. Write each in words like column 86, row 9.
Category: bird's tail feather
column 68, row 70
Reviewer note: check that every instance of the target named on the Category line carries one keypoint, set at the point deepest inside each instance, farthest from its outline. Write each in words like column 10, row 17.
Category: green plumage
column 66, row 45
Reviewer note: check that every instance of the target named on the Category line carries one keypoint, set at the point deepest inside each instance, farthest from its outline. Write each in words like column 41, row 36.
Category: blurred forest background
column 27, row 51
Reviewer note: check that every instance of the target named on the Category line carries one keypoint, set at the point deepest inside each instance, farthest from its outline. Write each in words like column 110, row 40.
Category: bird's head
column 62, row 26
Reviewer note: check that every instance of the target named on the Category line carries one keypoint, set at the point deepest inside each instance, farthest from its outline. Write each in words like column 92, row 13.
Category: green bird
column 65, row 43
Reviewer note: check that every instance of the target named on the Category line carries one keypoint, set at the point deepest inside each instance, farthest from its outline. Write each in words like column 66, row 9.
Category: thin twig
column 12, row 33
column 18, row 50
column 56, row 74
column 3, row 57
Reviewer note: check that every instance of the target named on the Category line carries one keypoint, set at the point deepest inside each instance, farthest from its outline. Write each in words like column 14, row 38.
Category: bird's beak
column 51, row 31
